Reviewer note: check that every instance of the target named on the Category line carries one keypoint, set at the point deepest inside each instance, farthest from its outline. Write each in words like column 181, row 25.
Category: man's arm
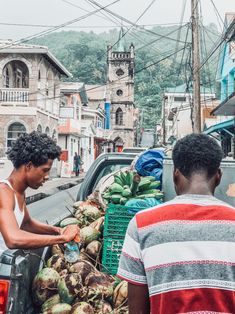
column 34, row 226
column 15, row 238
column 138, row 299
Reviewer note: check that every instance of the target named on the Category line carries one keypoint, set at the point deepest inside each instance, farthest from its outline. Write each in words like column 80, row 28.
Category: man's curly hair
column 197, row 153
column 35, row 147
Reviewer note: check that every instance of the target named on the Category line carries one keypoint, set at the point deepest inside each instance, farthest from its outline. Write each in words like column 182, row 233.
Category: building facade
column 29, row 91
column 120, row 95
column 225, row 131
column 176, row 111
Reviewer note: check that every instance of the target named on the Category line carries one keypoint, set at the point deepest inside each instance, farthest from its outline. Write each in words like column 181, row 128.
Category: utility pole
column 196, row 65
column 164, row 120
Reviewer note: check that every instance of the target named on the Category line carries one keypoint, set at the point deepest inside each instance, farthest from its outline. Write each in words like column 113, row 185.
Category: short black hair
column 35, row 147
column 197, row 153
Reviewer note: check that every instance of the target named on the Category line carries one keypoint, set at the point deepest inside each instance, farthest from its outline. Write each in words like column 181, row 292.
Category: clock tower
column 120, row 94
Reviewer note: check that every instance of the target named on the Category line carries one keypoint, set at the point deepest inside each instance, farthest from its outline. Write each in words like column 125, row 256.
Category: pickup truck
column 17, row 267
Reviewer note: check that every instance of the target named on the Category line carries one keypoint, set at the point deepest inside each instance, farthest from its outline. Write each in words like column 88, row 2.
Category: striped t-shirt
column 184, row 250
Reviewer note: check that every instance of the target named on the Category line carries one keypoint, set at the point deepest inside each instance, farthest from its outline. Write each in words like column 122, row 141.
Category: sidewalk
column 51, row 187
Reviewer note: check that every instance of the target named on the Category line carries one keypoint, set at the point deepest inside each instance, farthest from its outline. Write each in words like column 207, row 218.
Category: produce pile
column 130, row 185
column 80, row 287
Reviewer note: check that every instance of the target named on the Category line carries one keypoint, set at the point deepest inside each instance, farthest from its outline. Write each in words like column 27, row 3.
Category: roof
column 9, row 46
column 183, row 89
column 226, row 108
column 96, row 92
column 74, row 87
column 220, row 126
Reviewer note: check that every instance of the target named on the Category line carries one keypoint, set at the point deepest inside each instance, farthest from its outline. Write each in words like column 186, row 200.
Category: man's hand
column 70, row 232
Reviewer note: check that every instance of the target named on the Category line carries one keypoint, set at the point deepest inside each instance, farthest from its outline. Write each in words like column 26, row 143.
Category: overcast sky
column 56, row 12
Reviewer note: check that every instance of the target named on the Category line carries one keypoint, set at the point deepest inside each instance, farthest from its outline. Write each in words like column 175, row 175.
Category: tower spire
column 121, row 43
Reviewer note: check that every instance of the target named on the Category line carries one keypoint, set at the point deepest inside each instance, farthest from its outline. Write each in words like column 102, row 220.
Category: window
column 47, row 130
column 119, row 72
column 119, row 92
column 39, row 128
column 14, row 131
column 16, row 75
column 119, row 117
column 179, row 98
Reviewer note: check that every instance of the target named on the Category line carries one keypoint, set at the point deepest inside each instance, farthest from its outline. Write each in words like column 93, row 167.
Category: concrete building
column 29, row 91
column 120, row 95
column 176, row 111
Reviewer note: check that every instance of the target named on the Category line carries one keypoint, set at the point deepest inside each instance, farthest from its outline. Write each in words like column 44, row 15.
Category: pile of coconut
column 82, row 287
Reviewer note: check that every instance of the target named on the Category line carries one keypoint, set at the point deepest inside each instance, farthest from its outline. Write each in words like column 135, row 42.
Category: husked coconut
column 120, row 294
column 55, row 299
column 98, row 224
column 103, row 307
column 57, row 262
column 99, row 285
column 93, row 249
column 45, row 285
column 83, row 268
column 77, row 204
column 121, row 310
column 82, row 308
column 57, row 249
column 64, row 272
column 70, row 287
column 60, row 308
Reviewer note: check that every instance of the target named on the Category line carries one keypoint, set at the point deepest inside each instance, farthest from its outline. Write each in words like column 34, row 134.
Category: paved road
column 52, row 209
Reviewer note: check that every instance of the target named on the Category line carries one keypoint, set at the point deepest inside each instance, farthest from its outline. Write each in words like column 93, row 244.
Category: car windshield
column 109, row 168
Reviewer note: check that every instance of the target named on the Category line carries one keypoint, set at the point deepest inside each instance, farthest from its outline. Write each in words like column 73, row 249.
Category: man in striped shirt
column 179, row 257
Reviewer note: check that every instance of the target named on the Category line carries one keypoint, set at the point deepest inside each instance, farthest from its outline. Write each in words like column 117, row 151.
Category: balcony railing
column 14, row 95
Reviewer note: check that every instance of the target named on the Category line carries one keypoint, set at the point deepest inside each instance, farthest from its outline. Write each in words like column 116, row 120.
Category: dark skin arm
column 16, row 238
column 138, row 299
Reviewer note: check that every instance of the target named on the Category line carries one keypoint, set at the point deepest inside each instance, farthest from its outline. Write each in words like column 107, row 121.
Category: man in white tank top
column 32, row 156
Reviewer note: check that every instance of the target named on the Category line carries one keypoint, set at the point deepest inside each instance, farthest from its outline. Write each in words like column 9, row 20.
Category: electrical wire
column 56, row 28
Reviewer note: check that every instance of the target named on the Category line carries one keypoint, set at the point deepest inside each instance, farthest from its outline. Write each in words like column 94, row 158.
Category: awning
column 226, row 108
column 222, row 126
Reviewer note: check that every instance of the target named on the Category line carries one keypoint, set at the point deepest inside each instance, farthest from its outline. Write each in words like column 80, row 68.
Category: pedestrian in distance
column 76, row 164
column 179, row 256
column 32, row 156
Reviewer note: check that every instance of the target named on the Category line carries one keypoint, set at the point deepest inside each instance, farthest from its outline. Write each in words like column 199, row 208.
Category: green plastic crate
column 116, row 222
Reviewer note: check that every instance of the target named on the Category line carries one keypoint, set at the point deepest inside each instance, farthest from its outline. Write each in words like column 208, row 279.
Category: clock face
column 119, row 72
column 119, row 92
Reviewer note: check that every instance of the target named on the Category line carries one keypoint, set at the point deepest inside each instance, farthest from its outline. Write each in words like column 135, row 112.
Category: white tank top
column 18, row 214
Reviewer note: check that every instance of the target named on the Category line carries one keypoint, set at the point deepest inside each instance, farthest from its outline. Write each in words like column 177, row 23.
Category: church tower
column 120, row 93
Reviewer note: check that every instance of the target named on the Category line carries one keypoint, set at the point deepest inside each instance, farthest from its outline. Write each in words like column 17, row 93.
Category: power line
column 57, row 27
column 129, row 22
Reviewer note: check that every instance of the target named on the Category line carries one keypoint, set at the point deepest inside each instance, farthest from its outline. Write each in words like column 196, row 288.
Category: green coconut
column 92, row 213
column 99, row 285
column 70, row 287
column 57, row 262
column 89, row 234
column 45, row 285
column 55, row 299
column 82, row 308
column 60, row 308
column 83, row 268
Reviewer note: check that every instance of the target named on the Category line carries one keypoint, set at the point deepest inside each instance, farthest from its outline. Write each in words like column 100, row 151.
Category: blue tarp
column 150, row 163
